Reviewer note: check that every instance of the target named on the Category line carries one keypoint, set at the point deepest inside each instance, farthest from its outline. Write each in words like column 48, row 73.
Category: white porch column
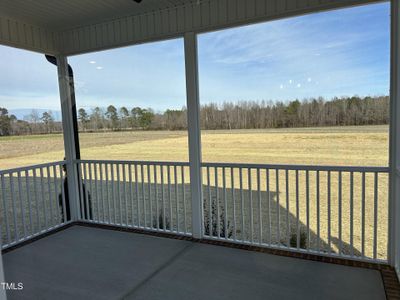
column 193, row 117
column 69, row 139
column 394, row 147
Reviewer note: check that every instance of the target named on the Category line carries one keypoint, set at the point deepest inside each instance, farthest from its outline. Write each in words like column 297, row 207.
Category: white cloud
column 92, row 62
column 99, row 68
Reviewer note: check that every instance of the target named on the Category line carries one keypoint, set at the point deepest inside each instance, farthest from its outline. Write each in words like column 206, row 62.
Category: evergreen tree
column 112, row 116
column 5, row 122
column 48, row 120
column 83, row 118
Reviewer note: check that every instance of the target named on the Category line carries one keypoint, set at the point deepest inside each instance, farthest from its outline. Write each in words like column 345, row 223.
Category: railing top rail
column 299, row 167
column 32, row 167
column 133, row 162
column 212, row 164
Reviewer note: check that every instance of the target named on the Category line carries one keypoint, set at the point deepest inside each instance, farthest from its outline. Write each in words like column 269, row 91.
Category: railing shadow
column 240, row 218
column 345, row 247
column 34, row 205
column 29, row 205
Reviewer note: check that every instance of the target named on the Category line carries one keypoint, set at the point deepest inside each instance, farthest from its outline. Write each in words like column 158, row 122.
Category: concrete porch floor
column 92, row 263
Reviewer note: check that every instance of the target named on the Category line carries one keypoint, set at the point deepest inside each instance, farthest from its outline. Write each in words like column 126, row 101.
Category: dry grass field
column 358, row 146
column 345, row 146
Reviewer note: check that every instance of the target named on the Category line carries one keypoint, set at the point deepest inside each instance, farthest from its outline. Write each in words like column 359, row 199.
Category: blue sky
column 336, row 53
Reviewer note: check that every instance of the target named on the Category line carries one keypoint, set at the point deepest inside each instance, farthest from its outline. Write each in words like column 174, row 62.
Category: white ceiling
column 65, row 14
column 80, row 26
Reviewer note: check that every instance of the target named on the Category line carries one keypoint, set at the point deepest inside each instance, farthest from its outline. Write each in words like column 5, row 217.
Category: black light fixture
column 137, row 1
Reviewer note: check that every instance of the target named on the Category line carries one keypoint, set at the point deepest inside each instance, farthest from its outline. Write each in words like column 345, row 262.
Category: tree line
column 34, row 123
column 312, row 112
column 316, row 112
column 114, row 119
column 343, row 111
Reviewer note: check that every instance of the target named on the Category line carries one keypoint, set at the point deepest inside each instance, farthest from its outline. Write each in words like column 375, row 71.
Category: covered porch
column 134, row 229
column 83, row 262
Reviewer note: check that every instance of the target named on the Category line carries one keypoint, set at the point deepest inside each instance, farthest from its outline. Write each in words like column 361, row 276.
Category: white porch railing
column 30, row 198
column 146, row 195
column 327, row 210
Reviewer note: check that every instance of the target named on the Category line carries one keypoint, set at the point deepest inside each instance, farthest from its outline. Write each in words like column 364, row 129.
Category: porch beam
column 69, row 136
column 193, row 119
